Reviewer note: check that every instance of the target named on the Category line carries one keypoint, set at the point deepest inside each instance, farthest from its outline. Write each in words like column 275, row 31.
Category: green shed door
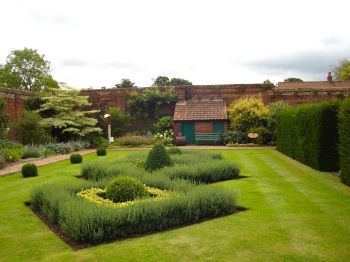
column 187, row 130
column 218, row 127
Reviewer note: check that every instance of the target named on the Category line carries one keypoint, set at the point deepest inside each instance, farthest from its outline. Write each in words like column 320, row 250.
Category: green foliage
column 206, row 172
column 275, row 109
column 27, row 70
column 293, row 80
column 85, row 222
column 121, row 121
column 76, row 158
column 99, row 141
column 342, row 72
column 12, row 153
column 3, row 119
column 344, row 141
column 30, row 130
column 29, row 170
column 125, row 188
column 68, row 117
column 190, row 157
column 3, row 163
column 65, row 148
column 148, row 102
column 163, row 124
column 264, row 136
column 234, row 137
column 247, row 113
column 174, row 150
column 268, row 84
column 157, row 158
column 125, row 83
column 33, row 151
column 165, row 81
column 101, row 151
column 309, row 134
column 130, row 140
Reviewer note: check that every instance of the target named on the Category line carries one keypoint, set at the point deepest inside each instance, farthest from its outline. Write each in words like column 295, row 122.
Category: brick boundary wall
column 102, row 98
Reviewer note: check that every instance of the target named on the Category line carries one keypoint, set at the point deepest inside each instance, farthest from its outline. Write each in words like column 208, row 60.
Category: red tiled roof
column 200, row 110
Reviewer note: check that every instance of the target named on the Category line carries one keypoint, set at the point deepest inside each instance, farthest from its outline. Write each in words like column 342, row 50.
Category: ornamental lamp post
column 109, row 132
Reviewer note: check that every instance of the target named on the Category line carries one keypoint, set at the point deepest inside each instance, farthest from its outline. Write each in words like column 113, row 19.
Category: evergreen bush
column 157, row 158
column 125, row 188
column 174, row 150
column 344, row 141
column 29, row 170
column 101, row 151
column 76, row 158
column 309, row 134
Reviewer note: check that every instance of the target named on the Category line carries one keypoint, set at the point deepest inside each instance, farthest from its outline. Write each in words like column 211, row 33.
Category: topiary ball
column 125, row 188
column 101, row 151
column 157, row 158
column 29, row 170
column 174, row 151
column 76, row 158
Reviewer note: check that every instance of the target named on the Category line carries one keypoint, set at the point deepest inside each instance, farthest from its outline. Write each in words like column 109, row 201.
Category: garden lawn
column 294, row 214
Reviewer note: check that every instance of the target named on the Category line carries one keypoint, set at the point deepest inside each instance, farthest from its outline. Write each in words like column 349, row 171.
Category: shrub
column 85, row 222
column 234, row 137
column 59, row 148
column 29, row 170
column 2, row 162
column 30, row 130
column 309, row 134
column 76, row 158
column 3, row 119
column 125, row 188
column 157, row 158
column 12, row 154
column 163, row 124
column 246, row 113
column 206, row 172
column 166, row 137
column 99, row 141
column 174, row 150
column 344, row 142
column 275, row 109
column 194, row 157
column 121, row 121
column 264, row 136
column 33, row 151
column 131, row 140
column 101, row 151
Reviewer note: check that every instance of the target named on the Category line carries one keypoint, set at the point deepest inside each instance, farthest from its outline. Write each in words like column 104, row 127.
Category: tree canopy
column 27, row 70
column 125, row 83
column 165, row 81
column 342, row 72
column 67, row 114
column 293, row 80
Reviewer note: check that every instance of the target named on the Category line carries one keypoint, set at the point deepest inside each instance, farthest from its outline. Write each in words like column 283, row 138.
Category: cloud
column 311, row 62
column 51, row 18
column 102, row 65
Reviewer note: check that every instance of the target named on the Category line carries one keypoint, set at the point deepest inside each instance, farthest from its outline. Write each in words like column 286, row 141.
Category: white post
column 109, row 134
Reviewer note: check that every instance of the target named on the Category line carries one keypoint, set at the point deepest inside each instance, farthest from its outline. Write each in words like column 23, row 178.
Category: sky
column 97, row 43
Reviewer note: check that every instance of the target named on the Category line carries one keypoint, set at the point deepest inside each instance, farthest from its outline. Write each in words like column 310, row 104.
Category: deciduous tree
column 27, row 70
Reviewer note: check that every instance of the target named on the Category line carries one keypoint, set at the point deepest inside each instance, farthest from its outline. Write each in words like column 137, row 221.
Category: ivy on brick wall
column 147, row 104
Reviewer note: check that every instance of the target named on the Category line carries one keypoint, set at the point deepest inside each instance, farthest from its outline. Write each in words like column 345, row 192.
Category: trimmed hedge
column 125, row 188
column 207, row 172
column 344, row 139
column 90, row 223
column 101, row 151
column 29, row 170
column 309, row 134
column 76, row 158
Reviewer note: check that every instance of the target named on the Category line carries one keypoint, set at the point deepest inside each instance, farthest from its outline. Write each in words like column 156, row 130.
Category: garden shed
column 200, row 121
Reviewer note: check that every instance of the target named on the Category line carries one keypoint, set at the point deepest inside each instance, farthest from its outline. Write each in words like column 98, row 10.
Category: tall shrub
column 344, row 141
column 157, row 158
column 247, row 113
column 309, row 134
